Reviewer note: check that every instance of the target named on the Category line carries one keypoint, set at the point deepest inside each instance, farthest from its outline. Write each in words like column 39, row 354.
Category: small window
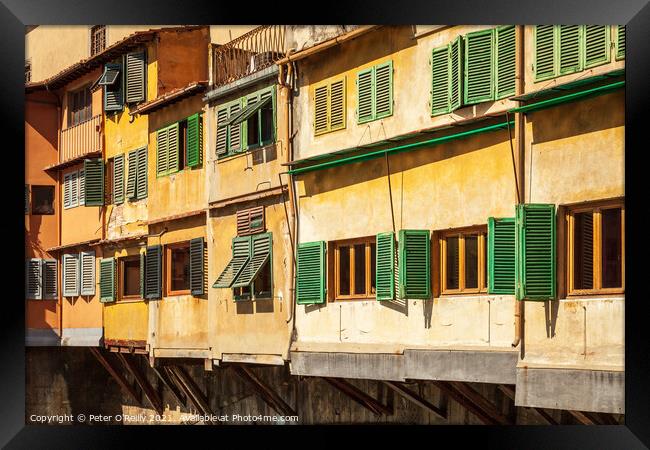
column 42, row 200
column 354, row 268
column 79, row 106
column 97, row 39
column 28, row 71
column 250, row 221
column 178, row 269
column 463, row 261
column 130, row 279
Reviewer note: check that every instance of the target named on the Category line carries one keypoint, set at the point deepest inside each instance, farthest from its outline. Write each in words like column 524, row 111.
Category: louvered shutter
column 94, row 175
column 172, row 148
column 240, row 256
column 260, row 254
column 87, row 273
column 440, row 80
column 337, row 105
column 50, row 281
column 234, row 131
column 535, row 256
column 118, row 179
column 153, row 272
column 321, row 119
column 67, row 199
column 196, row 266
column 245, row 218
column 596, row 45
column 570, row 43
column 132, row 171
column 162, row 151
column 74, row 188
column 384, row 90
column 114, row 95
column 311, row 273
column 414, row 264
column 365, row 90
column 70, row 275
column 501, row 256
column 505, row 61
column 81, row 182
column 479, row 67
column 194, row 141
column 141, row 177
column 143, row 269
column 385, row 265
column 545, row 38
column 135, row 76
column 107, row 280
column 455, row 74
column 34, row 272
column 222, row 132
column 620, row 41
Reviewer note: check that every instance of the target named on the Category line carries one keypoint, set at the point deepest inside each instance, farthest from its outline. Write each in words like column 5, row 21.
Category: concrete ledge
column 573, row 389
column 181, row 353
column 82, row 337
column 474, row 366
column 372, row 366
column 273, row 360
column 42, row 337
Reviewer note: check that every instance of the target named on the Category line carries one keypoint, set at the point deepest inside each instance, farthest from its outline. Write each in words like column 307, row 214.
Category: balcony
column 249, row 53
column 80, row 140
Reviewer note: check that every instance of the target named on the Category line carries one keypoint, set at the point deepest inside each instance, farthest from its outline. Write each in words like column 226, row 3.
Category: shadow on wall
column 551, row 310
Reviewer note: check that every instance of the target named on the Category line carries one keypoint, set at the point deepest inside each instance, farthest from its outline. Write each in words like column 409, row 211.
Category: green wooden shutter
column 310, row 281
column 501, row 256
column 162, row 144
column 132, row 174
column 383, row 90
column 440, row 80
column 222, row 132
column 414, row 264
column 172, row 148
column 321, row 110
column 365, row 90
column 385, row 265
column 455, row 74
column 34, row 272
column 235, row 131
column 535, row 257
column 135, row 76
column 545, row 55
column 153, row 272
column 337, row 105
column 107, row 280
column 196, row 266
column 240, row 256
column 620, row 42
column 570, row 48
column 194, row 141
column 505, row 61
column 260, row 254
column 94, row 182
column 87, row 273
column 49, row 279
column 596, row 45
column 143, row 269
column 114, row 95
column 479, row 67
column 141, row 177
column 118, row 179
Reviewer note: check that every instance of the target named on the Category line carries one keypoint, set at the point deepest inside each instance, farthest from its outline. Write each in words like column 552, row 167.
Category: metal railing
column 81, row 139
column 256, row 50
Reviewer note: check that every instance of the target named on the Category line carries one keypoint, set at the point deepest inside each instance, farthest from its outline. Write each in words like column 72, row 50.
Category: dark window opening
column 97, row 39
column 355, row 268
column 262, row 284
column 453, row 263
column 131, row 277
column 80, row 106
column 267, row 123
column 471, row 262
column 253, row 137
column 182, row 144
column 43, row 200
column 612, row 246
column 108, row 180
column 179, row 276
column 583, row 250
column 344, row 270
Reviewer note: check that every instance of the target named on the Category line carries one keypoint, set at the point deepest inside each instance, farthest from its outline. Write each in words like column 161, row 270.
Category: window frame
column 86, row 111
column 167, row 267
column 121, row 296
column 569, row 216
column 94, row 31
column 368, row 241
column 482, row 233
column 81, row 200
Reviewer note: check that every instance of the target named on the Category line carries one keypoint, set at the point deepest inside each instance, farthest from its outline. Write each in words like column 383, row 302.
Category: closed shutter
column 141, row 177
column 143, row 269
column 337, row 105
column 414, row 264
column 479, row 66
column 455, row 74
column 135, row 76
column 385, row 264
column 311, row 273
column 384, row 90
column 505, row 62
column 70, row 275
column 153, row 272
column 87, row 273
column 161, row 151
column 34, row 272
column 620, row 41
column 321, row 119
column 94, row 174
column 67, row 195
column 501, row 256
column 240, row 257
column 250, row 221
column 107, row 280
column 50, row 279
column 81, row 182
column 569, row 49
column 260, row 254
column 172, row 148
column 440, row 80
column 545, row 38
column 132, row 177
column 234, row 131
column 222, row 132
column 74, row 189
column 194, row 141
column 365, row 90
column 118, row 179
column 535, row 257
column 196, row 266
column 596, row 45
column 114, row 95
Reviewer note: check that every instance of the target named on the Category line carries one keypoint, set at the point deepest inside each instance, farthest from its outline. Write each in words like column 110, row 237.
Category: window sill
column 466, row 293
column 178, row 293
column 595, row 293
column 354, row 299
column 130, row 300
column 229, row 156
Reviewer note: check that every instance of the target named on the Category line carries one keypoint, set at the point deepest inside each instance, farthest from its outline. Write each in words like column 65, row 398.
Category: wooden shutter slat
column 34, row 272
column 479, row 67
column 414, row 261
column 535, row 257
column 141, row 174
column 132, row 174
column 193, row 140
column 570, row 49
column 596, row 45
column 172, row 148
column 66, row 191
column 337, row 105
column 114, row 99
column 240, row 257
column 70, row 275
column 118, row 179
column 74, row 188
column 384, row 90
column 143, row 268
column 50, row 282
column 620, row 41
column 260, row 254
column 87, row 273
column 196, row 266
column 153, row 272
column 222, row 132
column 545, row 36
column 135, row 76
column 81, row 182
column 310, row 281
column 385, row 265
column 365, row 85
column 107, row 280
column 501, row 255
column 234, row 131
column 505, row 62
column 161, row 151
column 440, row 80
column 321, row 119
column 455, row 74
column 244, row 221
column 94, row 179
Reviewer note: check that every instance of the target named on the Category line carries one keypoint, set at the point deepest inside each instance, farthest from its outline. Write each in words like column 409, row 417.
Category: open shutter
column 311, row 273
column 321, row 110
column 135, row 76
column 74, row 188
column 107, row 280
column 161, row 151
column 196, row 266
column 545, row 37
column 70, row 275
column 260, row 254
column 337, row 105
column 620, row 42
column 414, row 264
column 132, row 171
column 118, row 179
column 153, row 272
column 94, row 178
column 365, row 89
column 455, row 74
column 87, row 273
column 222, row 132
column 501, row 256
column 570, row 48
column 479, row 66
column 34, row 272
column 384, row 90
column 49, row 279
column 141, row 177
column 240, row 256
column 172, row 148
column 234, row 131
column 194, row 141
column 440, row 80
column 143, row 265
column 596, row 45
column 67, row 199
column 505, row 61
column 114, row 93
column 535, row 256
column 385, row 265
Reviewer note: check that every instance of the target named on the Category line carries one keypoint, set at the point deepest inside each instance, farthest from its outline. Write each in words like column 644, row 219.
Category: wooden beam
column 141, row 379
column 510, row 393
column 168, row 381
column 192, row 391
column 359, row 396
column 607, row 419
column 581, row 417
column 269, row 396
column 115, row 373
column 464, row 402
column 415, row 398
column 482, row 402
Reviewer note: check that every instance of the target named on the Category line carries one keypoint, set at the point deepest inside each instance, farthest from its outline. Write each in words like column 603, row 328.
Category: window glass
column 43, row 200
column 612, row 246
column 360, row 269
column 344, row 270
column 131, row 277
column 262, row 283
column 471, row 261
column 453, row 261
column 180, row 268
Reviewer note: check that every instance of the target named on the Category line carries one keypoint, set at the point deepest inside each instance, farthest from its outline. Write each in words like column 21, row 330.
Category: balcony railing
column 81, row 139
column 249, row 53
